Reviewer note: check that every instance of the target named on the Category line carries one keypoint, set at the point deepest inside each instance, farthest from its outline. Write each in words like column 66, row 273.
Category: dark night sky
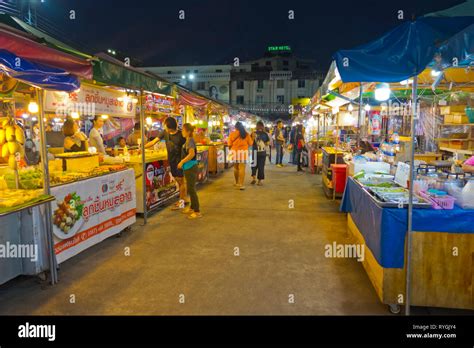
column 214, row 32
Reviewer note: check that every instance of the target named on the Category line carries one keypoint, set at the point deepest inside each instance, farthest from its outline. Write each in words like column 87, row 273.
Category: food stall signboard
column 91, row 101
column 160, row 185
column 203, row 163
column 87, row 212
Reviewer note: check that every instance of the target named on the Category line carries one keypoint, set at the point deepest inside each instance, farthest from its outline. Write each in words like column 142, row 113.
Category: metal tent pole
column 317, row 147
column 46, row 188
column 359, row 116
column 410, row 198
column 142, row 147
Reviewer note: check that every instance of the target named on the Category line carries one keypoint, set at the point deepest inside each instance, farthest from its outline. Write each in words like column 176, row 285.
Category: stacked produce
column 12, row 139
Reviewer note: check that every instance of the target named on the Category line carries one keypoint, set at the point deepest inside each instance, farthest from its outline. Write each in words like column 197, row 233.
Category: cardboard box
column 445, row 110
column 459, row 145
column 460, row 119
column 448, row 118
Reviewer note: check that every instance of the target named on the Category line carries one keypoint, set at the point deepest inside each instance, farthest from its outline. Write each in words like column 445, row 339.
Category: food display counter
column 90, row 210
column 443, row 245
column 88, row 206
column 216, row 160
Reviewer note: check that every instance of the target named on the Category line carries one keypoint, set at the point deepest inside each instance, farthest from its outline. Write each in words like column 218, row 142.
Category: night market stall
column 27, row 69
column 418, row 236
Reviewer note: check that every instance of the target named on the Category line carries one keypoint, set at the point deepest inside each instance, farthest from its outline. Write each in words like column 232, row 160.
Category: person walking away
column 299, row 140
column 239, row 142
column 259, row 154
column 174, row 140
column 279, row 142
column 95, row 135
column 294, row 146
column 189, row 165
column 270, row 144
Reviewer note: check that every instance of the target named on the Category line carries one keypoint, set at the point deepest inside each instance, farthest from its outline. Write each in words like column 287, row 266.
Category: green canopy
column 116, row 75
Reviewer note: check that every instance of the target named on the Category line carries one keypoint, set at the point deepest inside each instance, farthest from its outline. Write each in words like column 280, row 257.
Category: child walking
column 189, row 165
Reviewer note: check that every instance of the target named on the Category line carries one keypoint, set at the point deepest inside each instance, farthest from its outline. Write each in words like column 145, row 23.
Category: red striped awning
column 38, row 53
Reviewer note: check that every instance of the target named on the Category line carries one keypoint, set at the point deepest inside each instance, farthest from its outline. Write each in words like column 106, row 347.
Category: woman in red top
column 239, row 142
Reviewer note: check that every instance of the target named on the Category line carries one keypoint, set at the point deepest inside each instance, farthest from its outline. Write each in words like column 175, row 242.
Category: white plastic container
column 467, row 195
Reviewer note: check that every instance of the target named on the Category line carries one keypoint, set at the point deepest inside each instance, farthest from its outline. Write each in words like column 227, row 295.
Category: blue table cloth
column 384, row 229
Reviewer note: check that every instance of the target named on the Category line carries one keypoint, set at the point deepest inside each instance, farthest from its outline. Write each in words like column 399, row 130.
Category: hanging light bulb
column 75, row 115
column 149, row 121
column 350, row 108
column 367, row 107
column 382, row 92
column 33, row 108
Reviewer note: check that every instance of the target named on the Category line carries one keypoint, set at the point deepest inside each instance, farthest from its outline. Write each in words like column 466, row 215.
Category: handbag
column 189, row 164
column 300, row 144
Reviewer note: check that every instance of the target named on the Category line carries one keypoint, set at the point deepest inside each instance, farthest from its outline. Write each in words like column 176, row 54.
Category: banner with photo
column 87, row 212
column 91, row 100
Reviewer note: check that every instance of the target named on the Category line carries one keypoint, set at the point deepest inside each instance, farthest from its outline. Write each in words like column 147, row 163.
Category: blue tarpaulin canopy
column 37, row 74
column 407, row 50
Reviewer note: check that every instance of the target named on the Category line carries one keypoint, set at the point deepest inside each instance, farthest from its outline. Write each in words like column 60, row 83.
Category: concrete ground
column 281, row 257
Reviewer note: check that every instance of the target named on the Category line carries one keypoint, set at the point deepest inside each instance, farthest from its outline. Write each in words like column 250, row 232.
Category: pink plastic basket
column 445, row 202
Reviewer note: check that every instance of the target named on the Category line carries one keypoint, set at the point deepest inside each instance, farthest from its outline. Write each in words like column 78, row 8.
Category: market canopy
column 463, row 9
column 35, row 52
column 403, row 52
column 37, row 74
column 110, row 73
column 17, row 25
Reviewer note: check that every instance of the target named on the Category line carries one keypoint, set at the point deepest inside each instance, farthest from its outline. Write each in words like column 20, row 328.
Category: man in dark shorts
column 174, row 143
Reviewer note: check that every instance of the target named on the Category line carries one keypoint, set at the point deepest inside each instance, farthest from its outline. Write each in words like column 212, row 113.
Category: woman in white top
column 95, row 137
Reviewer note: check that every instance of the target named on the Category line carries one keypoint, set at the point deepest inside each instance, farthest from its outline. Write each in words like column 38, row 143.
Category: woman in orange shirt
column 239, row 142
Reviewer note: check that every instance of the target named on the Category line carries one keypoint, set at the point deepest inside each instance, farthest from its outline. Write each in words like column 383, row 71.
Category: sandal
column 195, row 215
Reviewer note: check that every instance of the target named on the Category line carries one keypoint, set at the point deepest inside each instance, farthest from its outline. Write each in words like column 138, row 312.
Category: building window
column 281, row 99
column 260, row 84
column 268, row 63
column 301, row 83
column 240, row 99
column 195, row 71
column 170, row 72
column 240, row 84
column 188, row 71
column 218, row 70
column 280, row 84
column 285, row 62
column 259, row 99
column 201, row 86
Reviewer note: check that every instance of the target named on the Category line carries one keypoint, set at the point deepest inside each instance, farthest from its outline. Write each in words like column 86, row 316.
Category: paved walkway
column 281, row 258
